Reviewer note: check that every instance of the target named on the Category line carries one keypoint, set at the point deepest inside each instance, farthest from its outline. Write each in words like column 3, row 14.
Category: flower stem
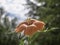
column 27, row 41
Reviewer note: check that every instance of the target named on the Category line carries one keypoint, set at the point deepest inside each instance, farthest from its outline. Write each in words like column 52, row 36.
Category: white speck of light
column 25, row 42
column 35, row 2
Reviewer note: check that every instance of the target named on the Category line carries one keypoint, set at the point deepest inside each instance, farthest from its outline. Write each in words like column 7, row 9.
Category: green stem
column 27, row 41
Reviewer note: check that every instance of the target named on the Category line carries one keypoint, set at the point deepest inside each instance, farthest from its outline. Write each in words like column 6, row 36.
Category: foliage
column 50, row 37
column 7, row 26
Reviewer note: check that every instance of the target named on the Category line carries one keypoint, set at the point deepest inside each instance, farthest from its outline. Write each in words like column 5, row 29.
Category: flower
column 30, row 26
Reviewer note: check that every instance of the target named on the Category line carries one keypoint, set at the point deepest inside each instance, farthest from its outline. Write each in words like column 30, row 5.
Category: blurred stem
column 27, row 41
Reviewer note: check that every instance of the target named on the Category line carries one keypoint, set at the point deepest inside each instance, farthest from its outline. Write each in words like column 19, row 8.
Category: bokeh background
column 13, row 12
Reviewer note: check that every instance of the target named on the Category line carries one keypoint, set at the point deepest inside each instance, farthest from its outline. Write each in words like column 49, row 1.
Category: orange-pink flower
column 30, row 26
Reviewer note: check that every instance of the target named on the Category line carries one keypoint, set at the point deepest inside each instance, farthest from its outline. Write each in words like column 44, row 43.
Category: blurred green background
column 45, row 10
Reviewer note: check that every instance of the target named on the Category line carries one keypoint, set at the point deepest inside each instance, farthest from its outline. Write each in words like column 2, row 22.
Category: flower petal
column 39, row 24
column 30, row 30
column 21, row 28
